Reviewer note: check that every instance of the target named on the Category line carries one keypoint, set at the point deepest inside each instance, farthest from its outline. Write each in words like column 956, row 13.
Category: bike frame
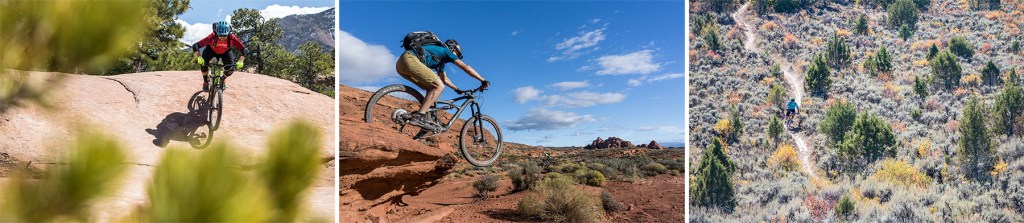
column 470, row 101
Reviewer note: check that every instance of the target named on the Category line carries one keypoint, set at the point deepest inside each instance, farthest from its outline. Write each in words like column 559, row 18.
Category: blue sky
column 197, row 20
column 563, row 73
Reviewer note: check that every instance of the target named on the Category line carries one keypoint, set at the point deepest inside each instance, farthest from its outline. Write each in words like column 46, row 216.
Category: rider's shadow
column 182, row 127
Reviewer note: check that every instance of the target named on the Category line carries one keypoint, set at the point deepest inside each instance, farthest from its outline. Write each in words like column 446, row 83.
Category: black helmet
column 454, row 47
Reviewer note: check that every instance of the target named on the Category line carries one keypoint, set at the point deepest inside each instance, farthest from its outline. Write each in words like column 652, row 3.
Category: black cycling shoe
column 420, row 120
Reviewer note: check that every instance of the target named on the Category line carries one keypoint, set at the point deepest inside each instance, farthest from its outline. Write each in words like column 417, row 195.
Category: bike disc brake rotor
column 397, row 116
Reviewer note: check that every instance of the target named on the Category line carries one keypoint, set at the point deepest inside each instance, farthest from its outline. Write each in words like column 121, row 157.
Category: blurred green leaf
column 291, row 166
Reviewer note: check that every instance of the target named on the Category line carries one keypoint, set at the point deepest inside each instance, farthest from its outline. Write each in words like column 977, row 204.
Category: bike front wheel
column 216, row 108
column 480, row 140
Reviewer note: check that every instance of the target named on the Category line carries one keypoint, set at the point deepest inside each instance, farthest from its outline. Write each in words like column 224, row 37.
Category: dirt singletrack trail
column 794, row 79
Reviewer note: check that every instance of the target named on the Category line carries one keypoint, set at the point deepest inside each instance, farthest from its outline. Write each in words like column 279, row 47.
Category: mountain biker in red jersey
column 219, row 44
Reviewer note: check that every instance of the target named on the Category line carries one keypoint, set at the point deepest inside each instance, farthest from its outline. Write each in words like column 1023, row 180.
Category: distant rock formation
column 615, row 142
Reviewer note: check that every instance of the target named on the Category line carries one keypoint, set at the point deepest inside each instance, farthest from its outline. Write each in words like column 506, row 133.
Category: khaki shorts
column 413, row 70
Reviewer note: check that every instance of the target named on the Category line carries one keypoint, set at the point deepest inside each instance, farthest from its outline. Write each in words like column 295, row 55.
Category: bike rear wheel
column 480, row 140
column 386, row 109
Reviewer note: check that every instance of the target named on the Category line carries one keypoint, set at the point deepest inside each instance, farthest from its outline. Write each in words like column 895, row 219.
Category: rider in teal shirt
column 792, row 107
column 442, row 53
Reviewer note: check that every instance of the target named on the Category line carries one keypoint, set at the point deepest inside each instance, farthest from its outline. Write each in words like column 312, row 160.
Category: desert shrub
column 711, row 39
column 920, row 88
column 932, row 51
column 838, row 120
column 818, row 79
column 873, row 189
column 959, row 46
column 567, row 167
column 525, row 176
column 712, row 185
column 556, row 199
column 837, row 52
column 860, row 26
column 605, row 170
column 724, row 128
column 675, row 173
column 845, row 207
column 653, row 169
column 869, row 139
column 610, row 204
column 901, row 173
column 589, row 177
column 775, row 128
column 905, row 32
column 975, row 150
column 884, row 60
column 677, row 164
column 946, row 70
column 903, row 12
column 784, row 158
column 485, row 185
column 1008, row 110
column 916, row 114
column 1015, row 46
column 737, row 123
column 990, row 74
column 775, row 71
column 777, row 96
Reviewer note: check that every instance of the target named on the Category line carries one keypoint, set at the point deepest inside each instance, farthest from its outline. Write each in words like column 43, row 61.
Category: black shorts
column 790, row 111
column 227, row 58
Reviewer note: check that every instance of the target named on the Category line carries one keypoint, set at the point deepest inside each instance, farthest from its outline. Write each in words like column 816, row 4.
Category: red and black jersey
column 220, row 45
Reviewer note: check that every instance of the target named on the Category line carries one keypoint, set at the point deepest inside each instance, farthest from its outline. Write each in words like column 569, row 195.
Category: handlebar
column 475, row 90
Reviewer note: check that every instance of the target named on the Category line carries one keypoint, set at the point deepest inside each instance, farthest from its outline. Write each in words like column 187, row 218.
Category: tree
column 774, row 128
column 903, row 12
column 905, row 32
column 845, row 207
column 717, row 5
column 775, row 71
column 946, row 70
column 1008, row 110
column 713, row 183
column 975, row 149
column 869, row 139
column 838, row 120
column 920, row 88
column 278, row 62
column 761, row 6
column 861, row 25
column 884, row 60
column 990, row 74
column 871, row 65
column 932, row 51
column 838, row 53
column 1015, row 46
column 777, row 96
column 711, row 39
column 257, row 33
column 1012, row 77
column 959, row 46
column 787, row 6
column 312, row 66
column 162, row 34
column 818, row 79
column 737, row 123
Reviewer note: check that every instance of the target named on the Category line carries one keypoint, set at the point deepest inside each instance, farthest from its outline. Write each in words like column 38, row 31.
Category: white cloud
column 640, row 62
column 515, row 33
column 360, row 62
column 525, row 94
column 567, row 85
column 595, row 21
column 194, row 32
column 665, row 77
column 279, row 11
column 583, row 99
column 543, row 119
column 667, row 128
column 634, row 82
column 571, row 47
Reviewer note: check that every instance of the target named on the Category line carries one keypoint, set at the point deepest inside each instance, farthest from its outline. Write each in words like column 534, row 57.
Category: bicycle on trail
column 480, row 138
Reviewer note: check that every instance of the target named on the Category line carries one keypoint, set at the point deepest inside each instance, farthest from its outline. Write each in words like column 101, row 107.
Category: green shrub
column 712, row 185
column 871, row 65
column 711, row 39
column 1008, row 110
column 485, row 185
column 838, row 120
column 932, row 51
column 719, row 6
column 837, row 52
column 905, row 32
column 737, row 123
column 975, row 149
column 556, row 199
column 946, row 70
column 775, row 128
column 787, row 6
column 610, row 204
column 589, row 177
column 920, row 88
column 869, row 139
column 903, row 12
column 775, row 71
column 916, row 114
column 566, row 168
column 845, row 207
column 884, row 60
column 654, row 168
column 860, row 26
column 959, row 46
column 990, row 74
column 1015, row 46
column 777, row 96
column 524, row 177
column 818, row 79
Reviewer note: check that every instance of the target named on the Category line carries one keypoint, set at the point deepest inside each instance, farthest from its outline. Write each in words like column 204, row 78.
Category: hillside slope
column 149, row 112
column 299, row 29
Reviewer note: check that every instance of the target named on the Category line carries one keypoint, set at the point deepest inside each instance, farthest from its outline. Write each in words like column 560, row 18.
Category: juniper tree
column 975, row 149
column 713, row 183
column 861, row 25
column 774, row 129
column 870, row 138
column 920, row 88
column 818, row 80
column 838, row 120
column 837, row 52
column 1008, row 110
column 990, row 74
column 884, row 60
column 946, row 70
column 932, row 51
column 903, row 12
column 959, row 46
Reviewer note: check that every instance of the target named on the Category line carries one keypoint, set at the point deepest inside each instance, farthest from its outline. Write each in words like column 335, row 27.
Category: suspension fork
column 478, row 119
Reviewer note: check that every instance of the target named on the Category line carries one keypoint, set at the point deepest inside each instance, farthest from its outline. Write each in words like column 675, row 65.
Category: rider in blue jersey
column 792, row 107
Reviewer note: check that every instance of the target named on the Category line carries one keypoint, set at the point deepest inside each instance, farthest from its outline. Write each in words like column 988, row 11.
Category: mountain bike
column 480, row 138
column 216, row 94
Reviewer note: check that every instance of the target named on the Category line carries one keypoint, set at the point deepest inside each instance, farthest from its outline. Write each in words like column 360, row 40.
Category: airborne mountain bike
column 480, row 139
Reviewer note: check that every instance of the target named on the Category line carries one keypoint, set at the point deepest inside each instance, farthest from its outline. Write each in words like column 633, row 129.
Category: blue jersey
column 442, row 53
column 792, row 105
